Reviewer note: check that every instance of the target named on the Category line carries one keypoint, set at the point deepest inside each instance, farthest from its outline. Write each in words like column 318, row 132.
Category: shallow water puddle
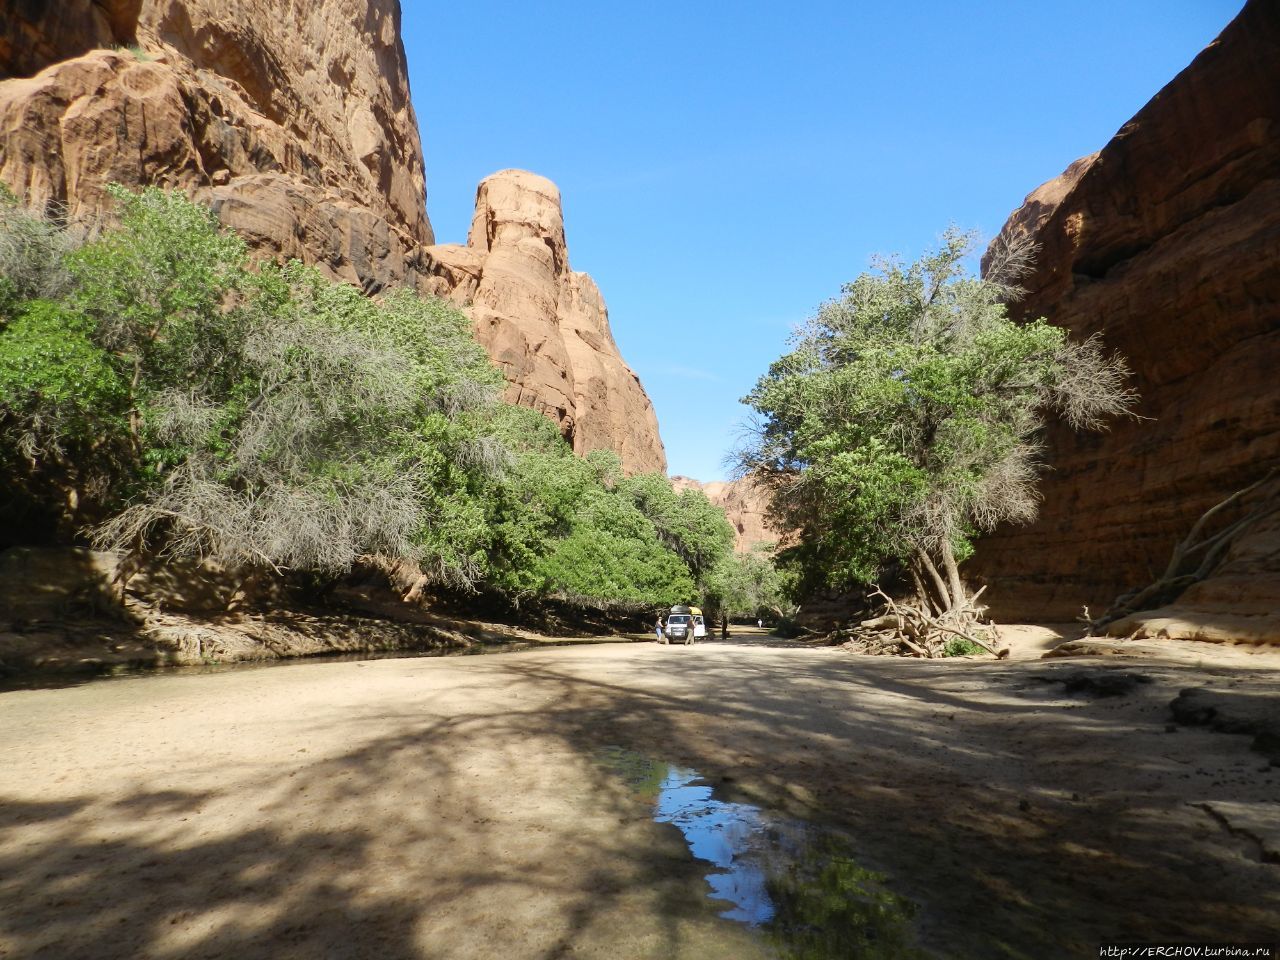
column 794, row 883
column 733, row 837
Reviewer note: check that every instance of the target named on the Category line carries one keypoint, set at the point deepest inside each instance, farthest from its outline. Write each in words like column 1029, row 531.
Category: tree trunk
column 921, row 590
column 958, row 595
column 130, row 563
column 927, row 565
column 135, row 413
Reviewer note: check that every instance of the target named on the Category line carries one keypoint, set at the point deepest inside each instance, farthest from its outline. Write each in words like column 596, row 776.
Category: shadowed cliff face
column 292, row 118
column 1167, row 243
column 36, row 33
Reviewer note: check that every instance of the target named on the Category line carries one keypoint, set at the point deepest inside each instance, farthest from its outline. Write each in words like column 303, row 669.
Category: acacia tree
column 905, row 420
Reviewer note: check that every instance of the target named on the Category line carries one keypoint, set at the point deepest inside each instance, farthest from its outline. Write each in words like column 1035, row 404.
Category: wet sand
column 441, row 808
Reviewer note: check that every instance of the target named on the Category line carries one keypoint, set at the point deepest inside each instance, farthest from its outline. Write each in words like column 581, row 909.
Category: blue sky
column 725, row 167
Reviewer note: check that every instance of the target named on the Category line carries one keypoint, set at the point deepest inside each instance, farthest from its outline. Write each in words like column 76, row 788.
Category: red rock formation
column 293, row 119
column 36, row 33
column 1167, row 242
column 546, row 325
column 744, row 505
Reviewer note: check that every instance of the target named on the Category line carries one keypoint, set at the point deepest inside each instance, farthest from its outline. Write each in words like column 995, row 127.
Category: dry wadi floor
column 458, row 807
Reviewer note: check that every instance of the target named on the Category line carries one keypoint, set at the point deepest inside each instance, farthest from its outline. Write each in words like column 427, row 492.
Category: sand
column 458, row 807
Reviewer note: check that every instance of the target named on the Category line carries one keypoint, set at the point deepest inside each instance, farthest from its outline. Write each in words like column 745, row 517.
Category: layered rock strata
column 292, row 118
column 544, row 323
column 1166, row 243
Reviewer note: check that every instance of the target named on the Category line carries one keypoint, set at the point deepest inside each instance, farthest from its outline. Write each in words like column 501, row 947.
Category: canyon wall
column 293, row 120
column 744, row 505
column 1167, row 243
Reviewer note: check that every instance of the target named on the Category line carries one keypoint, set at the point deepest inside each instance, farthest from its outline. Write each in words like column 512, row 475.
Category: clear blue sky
column 726, row 166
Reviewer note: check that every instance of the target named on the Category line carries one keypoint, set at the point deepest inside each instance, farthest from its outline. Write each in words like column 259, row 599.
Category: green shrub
column 265, row 415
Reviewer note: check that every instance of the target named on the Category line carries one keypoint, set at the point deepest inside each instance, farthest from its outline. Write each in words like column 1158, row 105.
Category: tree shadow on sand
column 979, row 792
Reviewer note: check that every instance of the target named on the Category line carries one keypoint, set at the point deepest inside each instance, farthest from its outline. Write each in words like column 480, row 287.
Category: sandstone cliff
column 744, row 505
column 292, row 118
column 1167, row 242
column 546, row 325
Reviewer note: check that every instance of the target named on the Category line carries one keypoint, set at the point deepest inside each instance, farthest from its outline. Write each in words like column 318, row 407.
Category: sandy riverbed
column 458, row 808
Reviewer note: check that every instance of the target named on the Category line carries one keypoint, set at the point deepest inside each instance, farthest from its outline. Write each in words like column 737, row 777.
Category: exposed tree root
column 1259, row 500
column 912, row 629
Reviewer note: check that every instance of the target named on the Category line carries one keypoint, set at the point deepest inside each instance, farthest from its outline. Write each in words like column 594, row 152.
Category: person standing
column 759, row 623
column 658, row 627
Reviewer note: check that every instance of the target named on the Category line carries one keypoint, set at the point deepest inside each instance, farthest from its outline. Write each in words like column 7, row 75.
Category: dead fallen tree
column 912, row 629
column 1200, row 552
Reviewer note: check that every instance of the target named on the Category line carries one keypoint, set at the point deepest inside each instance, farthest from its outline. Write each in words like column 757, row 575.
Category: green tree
column 750, row 585
column 63, row 422
column 156, row 289
column 686, row 521
column 254, row 414
column 905, row 420
column 570, row 527
column 331, row 427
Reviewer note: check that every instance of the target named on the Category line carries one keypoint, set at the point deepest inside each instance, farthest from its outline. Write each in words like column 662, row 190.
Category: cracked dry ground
column 427, row 808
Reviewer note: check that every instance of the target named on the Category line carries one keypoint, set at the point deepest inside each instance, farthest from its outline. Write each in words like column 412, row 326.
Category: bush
column 263, row 415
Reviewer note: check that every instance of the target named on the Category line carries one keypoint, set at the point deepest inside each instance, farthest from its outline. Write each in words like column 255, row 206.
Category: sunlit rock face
column 545, row 324
column 1167, row 242
column 744, row 504
column 292, row 118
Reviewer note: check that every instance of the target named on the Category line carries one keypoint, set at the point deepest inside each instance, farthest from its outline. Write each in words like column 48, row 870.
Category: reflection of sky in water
column 734, row 837
column 799, row 885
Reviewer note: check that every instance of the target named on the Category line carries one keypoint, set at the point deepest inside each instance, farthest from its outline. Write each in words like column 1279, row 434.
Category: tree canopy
column 160, row 392
column 905, row 419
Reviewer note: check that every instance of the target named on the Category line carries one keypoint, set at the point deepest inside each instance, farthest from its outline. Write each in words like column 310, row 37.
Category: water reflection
column 794, row 882
column 826, row 905
column 733, row 837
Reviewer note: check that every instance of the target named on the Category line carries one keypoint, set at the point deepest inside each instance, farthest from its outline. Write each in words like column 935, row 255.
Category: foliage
column 32, row 256
column 63, row 418
column 905, row 420
column 329, row 427
column 827, row 905
column 268, row 416
column 60, row 392
column 574, row 527
column 749, row 585
column 157, row 286
column 961, row 647
column 613, row 554
column 686, row 522
column 261, row 414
